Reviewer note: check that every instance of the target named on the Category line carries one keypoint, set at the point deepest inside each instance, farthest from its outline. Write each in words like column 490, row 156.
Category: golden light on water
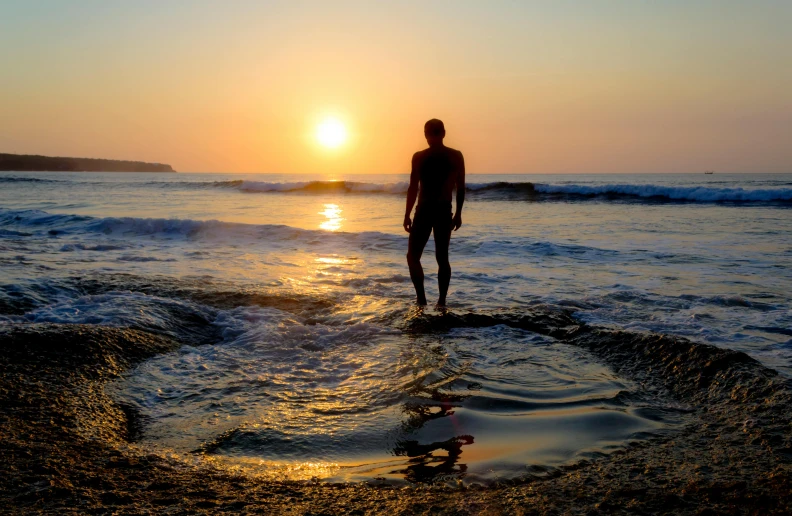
column 334, row 260
column 333, row 214
column 331, row 133
column 279, row 471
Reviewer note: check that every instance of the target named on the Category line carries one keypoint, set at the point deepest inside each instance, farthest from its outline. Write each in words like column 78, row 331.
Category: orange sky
column 608, row 86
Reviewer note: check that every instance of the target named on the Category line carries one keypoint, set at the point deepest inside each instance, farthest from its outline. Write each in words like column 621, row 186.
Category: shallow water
column 353, row 400
column 291, row 298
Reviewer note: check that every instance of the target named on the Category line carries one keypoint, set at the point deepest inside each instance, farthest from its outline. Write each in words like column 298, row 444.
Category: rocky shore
column 67, row 447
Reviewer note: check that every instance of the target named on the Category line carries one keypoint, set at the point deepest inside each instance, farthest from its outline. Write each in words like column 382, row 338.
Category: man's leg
column 442, row 238
column 419, row 235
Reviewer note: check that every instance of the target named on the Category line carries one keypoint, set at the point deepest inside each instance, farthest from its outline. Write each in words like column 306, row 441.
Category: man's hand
column 457, row 221
column 407, row 223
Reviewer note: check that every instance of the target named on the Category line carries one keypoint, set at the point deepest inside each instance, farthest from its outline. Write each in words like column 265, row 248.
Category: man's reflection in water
column 437, row 461
column 419, row 414
column 425, row 467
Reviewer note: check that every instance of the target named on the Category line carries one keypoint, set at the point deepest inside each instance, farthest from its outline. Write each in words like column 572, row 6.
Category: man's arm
column 412, row 194
column 460, row 195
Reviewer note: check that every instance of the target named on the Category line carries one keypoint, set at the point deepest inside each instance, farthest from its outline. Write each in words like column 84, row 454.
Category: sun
column 331, row 133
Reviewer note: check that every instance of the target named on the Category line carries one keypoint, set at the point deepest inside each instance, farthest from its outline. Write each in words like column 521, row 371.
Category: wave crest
column 318, row 187
column 669, row 193
column 14, row 179
column 503, row 190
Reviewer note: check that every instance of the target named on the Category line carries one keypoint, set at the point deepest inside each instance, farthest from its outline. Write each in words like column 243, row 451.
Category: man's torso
column 437, row 169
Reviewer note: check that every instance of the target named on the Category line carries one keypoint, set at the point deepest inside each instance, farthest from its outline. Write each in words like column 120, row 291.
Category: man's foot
column 421, row 301
column 415, row 312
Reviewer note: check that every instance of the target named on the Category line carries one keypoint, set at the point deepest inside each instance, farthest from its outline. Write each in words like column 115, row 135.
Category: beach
column 197, row 342
column 67, row 447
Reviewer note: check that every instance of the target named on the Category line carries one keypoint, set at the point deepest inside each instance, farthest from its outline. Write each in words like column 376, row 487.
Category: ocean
column 300, row 354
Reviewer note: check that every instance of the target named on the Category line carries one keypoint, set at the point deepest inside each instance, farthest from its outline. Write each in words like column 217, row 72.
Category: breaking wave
column 13, row 179
column 38, row 222
column 711, row 192
column 670, row 193
column 502, row 190
column 317, row 187
column 497, row 190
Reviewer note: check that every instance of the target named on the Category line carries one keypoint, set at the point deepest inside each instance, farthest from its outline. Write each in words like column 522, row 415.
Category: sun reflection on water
column 333, row 214
column 335, row 260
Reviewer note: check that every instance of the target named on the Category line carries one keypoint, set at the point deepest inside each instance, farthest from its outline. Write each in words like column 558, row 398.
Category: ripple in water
column 360, row 401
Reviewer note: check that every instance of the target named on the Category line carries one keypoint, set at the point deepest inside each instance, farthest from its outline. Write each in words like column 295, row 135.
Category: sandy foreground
column 65, row 446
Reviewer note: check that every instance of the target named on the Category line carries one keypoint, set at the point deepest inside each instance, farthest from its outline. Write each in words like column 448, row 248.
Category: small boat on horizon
column 709, row 172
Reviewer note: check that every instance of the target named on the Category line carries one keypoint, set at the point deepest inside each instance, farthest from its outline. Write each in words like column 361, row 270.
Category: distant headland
column 33, row 163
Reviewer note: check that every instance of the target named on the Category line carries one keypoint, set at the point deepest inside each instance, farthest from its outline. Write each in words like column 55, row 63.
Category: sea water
column 289, row 295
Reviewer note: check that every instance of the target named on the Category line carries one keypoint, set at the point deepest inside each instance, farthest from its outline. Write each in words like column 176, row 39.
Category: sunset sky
column 523, row 87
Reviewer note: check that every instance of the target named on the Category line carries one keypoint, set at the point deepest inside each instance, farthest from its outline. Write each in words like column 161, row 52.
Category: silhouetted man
column 436, row 173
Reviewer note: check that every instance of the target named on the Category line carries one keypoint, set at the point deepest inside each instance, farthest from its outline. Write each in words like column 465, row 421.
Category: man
column 436, row 173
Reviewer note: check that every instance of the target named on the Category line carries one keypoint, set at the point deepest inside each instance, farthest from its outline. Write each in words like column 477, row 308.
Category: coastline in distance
column 35, row 163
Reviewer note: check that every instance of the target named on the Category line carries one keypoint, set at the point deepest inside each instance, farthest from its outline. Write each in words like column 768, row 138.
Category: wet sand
column 67, row 447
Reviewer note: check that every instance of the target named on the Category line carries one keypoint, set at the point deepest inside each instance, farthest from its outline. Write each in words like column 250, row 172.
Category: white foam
column 677, row 193
column 323, row 186
column 263, row 186
column 117, row 308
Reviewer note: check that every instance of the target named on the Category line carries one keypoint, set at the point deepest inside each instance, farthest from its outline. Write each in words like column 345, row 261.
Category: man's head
column 434, row 130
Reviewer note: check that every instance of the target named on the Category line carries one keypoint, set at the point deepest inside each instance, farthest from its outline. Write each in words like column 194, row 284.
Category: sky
column 592, row 86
